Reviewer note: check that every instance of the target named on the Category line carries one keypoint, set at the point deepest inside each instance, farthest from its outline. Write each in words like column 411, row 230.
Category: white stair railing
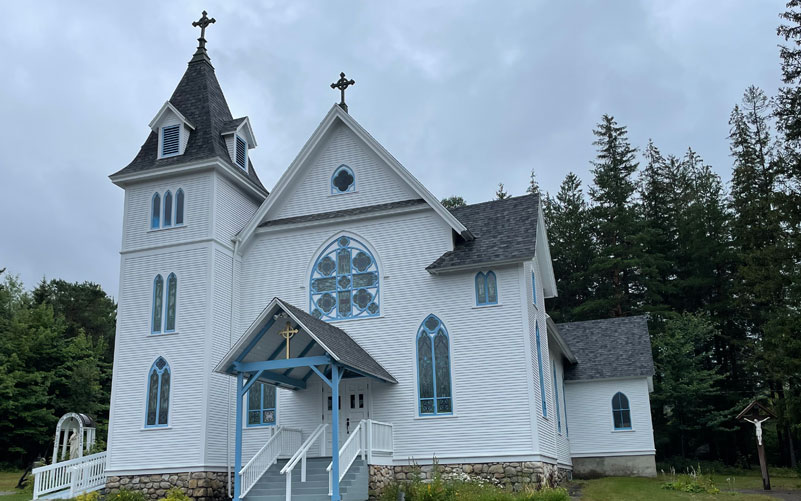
column 379, row 436
column 300, row 456
column 78, row 475
column 350, row 450
column 285, row 441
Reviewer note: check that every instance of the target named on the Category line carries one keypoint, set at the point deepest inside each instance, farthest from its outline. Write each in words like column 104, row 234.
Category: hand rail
column 300, row 455
column 59, row 476
column 267, row 456
column 89, row 475
column 351, row 449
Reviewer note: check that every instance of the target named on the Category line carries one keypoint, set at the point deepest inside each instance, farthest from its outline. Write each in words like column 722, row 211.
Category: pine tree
column 533, row 185
column 453, row 202
column 501, row 194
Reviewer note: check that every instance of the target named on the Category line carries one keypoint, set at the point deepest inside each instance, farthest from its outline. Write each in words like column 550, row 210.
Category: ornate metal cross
column 203, row 22
column 342, row 84
column 287, row 332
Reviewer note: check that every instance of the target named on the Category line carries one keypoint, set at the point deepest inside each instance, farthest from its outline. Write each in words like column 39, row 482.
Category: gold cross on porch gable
column 287, row 332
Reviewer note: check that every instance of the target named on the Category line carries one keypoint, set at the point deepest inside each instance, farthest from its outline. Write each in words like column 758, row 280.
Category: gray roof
column 231, row 125
column 339, row 344
column 344, row 212
column 504, row 230
column 610, row 348
column 200, row 100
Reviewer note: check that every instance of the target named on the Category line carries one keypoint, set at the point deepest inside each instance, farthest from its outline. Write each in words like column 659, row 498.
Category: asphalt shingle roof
column 340, row 345
column 344, row 212
column 504, row 230
column 610, row 348
column 200, row 99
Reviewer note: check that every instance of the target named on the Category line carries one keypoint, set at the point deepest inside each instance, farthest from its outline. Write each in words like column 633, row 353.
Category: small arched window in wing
column 158, row 304
column 172, row 297
column 343, row 180
column 621, row 412
column 539, row 365
column 486, row 288
column 155, row 211
column 167, row 209
column 433, row 368
column 179, row 207
column 158, row 394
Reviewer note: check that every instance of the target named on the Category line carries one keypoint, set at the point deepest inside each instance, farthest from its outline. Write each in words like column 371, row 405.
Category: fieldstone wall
column 513, row 475
column 198, row 485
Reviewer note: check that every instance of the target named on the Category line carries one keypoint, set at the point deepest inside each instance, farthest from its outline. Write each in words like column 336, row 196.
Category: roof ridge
column 518, row 197
column 628, row 317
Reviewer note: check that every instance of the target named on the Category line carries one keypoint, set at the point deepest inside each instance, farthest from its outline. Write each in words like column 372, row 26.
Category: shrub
column 176, row 494
column 126, row 495
column 439, row 490
column 693, row 482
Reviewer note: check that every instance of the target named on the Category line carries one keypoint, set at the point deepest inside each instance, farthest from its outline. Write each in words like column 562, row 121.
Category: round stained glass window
column 344, row 282
column 343, row 180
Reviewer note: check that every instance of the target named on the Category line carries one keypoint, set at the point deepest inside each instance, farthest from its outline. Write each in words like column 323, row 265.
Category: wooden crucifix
column 287, row 332
column 756, row 414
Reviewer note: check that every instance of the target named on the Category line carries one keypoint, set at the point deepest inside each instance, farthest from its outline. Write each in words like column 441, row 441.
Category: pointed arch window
column 433, row 368
column 179, row 207
column 158, row 394
column 621, row 412
column 343, row 180
column 556, row 400
column 164, row 304
column 533, row 289
column 542, row 375
column 486, row 288
column 155, row 211
column 167, row 209
column 158, row 304
column 344, row 282
column 171, row 299
column 261, row 405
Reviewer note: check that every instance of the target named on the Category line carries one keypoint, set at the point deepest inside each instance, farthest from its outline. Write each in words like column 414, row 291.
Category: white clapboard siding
column 137, row 233
column 488, row 360
column 132, row 446
column 562, row 444
column 233, row 209
column 592, row 430
column 376, row 183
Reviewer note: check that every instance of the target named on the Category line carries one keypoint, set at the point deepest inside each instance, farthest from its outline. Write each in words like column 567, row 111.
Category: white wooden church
column 315, row 340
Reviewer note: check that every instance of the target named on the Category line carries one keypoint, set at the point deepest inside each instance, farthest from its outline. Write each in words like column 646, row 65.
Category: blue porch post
column 238, row 443
column 335, row 377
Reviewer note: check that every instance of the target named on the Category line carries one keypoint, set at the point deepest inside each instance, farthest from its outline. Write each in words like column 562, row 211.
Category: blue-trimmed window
column 167, row 221
column 556, row 399
column 621, row 412
column 241, row 153
column 158, row 394
column 343, row 180
column 533, row 289
column 486, row 288
column 261, row 405
column 170, row 140
column 171, row 299
column 433, row 368
column 542, row 376
column 179, row 207
column 155, row 211
column 564, row 402
column 344, row 282
column 158, row 305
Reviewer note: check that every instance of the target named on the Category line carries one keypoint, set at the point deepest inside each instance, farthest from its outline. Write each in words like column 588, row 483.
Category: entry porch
column 287, row 348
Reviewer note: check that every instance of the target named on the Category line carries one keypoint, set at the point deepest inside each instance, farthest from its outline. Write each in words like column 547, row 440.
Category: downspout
column 230, row 344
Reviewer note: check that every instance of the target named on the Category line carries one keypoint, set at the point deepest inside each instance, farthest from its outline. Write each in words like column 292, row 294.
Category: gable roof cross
column 342, row 84
column 203, row 22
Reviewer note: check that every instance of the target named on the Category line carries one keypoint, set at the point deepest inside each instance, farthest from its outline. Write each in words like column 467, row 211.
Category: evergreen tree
column 533, row 185
column 501, row 194
column 453, row 202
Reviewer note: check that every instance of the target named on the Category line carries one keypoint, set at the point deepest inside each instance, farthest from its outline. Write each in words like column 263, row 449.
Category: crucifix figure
column 287, row 332
column 758, row 424
column 756, row 414
column 342, row 84
column 203, row 22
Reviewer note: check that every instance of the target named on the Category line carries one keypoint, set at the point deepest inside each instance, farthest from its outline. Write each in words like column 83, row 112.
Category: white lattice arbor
column 84, row 428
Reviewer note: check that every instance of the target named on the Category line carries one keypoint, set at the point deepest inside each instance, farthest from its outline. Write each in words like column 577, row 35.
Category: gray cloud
column 464, row 94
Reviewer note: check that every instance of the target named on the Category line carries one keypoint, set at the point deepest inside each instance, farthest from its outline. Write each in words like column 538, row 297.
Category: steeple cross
column 287, row 332
column 203, row 22
column 342, row 84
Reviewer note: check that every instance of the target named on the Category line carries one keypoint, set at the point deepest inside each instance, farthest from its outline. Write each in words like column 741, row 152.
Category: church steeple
column 202, row 23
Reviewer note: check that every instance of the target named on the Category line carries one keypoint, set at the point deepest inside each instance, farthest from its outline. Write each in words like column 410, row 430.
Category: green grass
column 8, row 482
column 650, row 489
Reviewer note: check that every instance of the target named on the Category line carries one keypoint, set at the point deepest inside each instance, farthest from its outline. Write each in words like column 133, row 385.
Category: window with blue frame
column 564, row 403
column 161, row 320
column 533, row 289
column 167, row 221
column 172, row 296
column 158, row 394
column 556, row 399
column 542, row 376
column 261, row 405
column 158, row 304
column 486, row 288
column 167, row 212
column 344, row 282
column 433, row 368
column 621, row 413
column 343, row 180
column 155, row 211
column 179, row 207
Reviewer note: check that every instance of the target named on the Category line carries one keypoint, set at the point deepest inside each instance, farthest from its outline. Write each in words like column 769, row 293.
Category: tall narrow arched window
column 167, row 209
column 621, row 412
column 433, row 368
column 486, row 288
column 179, row 207
column 158, row 394
column 542, row 376
column 172, row 293
column 344, row 282
column 155, row 211
column 556, row 400
column 158, row 304
column 343, row 180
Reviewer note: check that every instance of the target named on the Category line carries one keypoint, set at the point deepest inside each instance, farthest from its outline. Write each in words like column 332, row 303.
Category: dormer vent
column 170, row 140
column 241, row 152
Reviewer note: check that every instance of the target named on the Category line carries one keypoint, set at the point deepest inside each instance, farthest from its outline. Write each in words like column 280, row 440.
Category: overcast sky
column 464, row 94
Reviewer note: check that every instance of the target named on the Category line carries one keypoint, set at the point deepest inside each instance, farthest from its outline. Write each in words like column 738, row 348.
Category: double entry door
column 353, row 406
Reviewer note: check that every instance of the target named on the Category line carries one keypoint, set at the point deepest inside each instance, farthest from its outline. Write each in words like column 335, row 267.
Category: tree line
column 717, row 267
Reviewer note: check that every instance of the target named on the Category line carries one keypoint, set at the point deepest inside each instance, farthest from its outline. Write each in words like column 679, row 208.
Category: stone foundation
column 514, row 476
column 615, row 466
column 198, row 485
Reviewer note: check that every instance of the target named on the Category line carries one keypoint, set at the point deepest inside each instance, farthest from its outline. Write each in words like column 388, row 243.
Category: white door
column 353, row 406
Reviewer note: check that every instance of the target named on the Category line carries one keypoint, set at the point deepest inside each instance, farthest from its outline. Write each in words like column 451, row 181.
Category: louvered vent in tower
column 241, row 152
column 170, row 140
